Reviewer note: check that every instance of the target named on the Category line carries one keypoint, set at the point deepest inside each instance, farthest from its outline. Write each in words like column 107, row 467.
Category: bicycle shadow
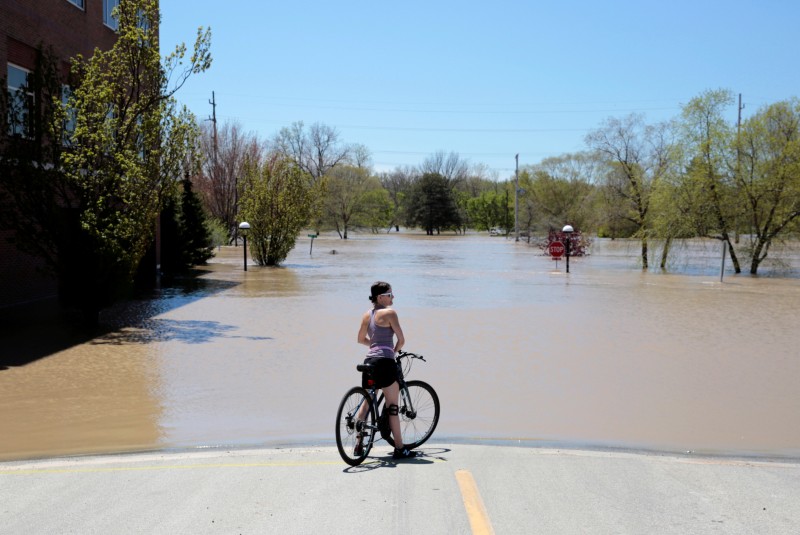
column 424, row 456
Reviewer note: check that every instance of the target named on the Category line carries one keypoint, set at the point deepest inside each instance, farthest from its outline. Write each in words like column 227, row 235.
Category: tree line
column 697, row 175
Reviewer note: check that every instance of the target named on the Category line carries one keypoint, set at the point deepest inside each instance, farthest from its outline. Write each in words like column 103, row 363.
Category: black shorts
column 383, row 374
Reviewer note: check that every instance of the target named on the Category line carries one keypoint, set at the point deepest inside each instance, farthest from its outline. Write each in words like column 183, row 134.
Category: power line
column 432, row 129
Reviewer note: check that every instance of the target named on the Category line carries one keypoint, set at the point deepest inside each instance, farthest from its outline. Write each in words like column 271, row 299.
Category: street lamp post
column 244, row 226
column 516, row 197
column 568, row 230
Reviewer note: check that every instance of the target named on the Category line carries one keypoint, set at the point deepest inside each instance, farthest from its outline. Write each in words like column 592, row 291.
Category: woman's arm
column 362, row 331
column 394, row 321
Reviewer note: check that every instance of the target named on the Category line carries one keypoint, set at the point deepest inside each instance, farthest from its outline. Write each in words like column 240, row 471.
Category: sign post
column 312, row 236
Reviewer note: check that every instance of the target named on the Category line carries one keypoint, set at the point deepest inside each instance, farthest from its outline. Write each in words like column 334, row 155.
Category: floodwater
column 606, row 356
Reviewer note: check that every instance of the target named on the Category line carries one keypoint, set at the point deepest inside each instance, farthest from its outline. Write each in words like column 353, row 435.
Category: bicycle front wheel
column 418, row 418
column 355, row 426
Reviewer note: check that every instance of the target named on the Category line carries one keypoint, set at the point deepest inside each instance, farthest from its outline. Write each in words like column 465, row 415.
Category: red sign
column 556, row 249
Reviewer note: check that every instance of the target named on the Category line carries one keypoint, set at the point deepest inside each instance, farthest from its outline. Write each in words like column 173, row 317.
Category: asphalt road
column 450, row 489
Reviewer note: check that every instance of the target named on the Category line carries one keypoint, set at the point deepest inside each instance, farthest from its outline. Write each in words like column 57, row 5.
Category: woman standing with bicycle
column 379, row 327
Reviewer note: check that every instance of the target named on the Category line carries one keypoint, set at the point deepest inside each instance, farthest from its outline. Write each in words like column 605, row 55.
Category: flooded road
column 518, row 350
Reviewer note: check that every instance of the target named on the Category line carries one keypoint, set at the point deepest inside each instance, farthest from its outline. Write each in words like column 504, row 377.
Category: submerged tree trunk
column 734, row 259
column 760, row 252
column 665, row 252
column 644, row 253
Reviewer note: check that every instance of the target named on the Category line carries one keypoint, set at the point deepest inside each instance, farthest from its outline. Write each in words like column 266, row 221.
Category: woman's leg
column 361, row 414
column 391, row 394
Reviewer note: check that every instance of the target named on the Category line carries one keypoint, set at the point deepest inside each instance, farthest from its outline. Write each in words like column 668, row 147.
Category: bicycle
column 418, row 413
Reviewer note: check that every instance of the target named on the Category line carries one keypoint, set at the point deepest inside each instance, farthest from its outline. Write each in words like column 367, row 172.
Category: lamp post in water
column 516, row 198
column 568, row 230
column 244, row 226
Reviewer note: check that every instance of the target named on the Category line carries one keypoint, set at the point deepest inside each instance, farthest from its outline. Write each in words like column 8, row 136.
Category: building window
column 108, row 17
column 70, row 118
column 20, row 101
column 79, row 3
column 112, row 21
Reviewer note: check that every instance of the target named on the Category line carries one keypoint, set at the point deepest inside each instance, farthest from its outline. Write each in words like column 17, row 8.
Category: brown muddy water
column 518, row 350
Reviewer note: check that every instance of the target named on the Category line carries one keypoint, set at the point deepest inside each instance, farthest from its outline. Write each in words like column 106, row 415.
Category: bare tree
column 479, row 179
column 226, row 156
column 579, row 166
column 449, row 166
column 293, row 142
column 360, row 156
column 316, row 150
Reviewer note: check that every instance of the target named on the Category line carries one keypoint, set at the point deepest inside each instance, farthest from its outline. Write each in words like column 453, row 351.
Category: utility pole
column 215, row 166
column 739, row 120
column 213, row 119
column 516, row 197
column 738, row 160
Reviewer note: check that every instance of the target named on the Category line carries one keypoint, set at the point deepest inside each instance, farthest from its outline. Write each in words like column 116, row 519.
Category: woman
column 379, row 326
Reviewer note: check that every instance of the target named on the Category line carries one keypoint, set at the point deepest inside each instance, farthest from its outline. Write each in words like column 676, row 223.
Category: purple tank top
column 381, row 339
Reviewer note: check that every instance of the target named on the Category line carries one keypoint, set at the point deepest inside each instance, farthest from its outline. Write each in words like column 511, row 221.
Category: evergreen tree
column 196, row 238
column 172, row 253
column 432, row 205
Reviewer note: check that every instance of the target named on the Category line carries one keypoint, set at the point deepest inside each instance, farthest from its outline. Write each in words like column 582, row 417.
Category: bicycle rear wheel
column 417, row 424
column 354, row 432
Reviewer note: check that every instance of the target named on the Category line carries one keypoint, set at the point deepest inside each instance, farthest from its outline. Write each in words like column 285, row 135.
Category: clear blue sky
column 486, row 80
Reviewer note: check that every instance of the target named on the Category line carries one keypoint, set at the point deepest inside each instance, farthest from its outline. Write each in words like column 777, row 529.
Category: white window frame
column 108, row 19
column 14, row 128
column 81, row 4
column 70, row 118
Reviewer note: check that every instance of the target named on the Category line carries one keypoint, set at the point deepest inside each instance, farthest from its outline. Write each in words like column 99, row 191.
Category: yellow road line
column 476, row 511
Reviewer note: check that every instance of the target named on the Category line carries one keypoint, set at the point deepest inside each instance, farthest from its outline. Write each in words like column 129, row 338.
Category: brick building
column 70, row 27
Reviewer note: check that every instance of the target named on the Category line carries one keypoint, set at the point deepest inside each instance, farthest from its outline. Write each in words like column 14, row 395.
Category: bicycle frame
column 404, row 394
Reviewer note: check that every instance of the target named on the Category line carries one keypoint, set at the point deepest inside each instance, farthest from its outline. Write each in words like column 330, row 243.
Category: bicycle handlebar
column 401, row 354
